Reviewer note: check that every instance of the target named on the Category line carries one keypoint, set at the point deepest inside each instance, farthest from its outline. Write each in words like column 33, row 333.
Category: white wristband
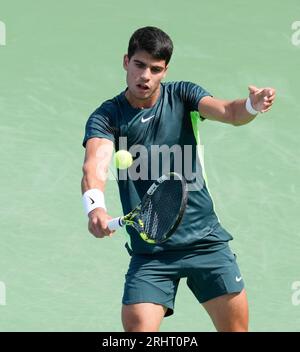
column 92, row 199
column 249, row 107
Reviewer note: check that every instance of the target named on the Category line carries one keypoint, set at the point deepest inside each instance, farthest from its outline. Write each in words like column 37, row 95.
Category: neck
column 142, row 103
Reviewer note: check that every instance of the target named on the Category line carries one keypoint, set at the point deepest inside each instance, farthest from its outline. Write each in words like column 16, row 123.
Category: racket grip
column 114, row 224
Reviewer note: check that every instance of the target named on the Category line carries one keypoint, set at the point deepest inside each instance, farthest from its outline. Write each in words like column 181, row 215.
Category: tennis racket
column 158, row 215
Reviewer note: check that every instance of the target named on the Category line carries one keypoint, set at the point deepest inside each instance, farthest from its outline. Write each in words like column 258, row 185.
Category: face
column 144, row 74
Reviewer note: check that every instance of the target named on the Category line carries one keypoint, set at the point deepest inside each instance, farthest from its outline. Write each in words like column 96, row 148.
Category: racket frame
column 133, row 219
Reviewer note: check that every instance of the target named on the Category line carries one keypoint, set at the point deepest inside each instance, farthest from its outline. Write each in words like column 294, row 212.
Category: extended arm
column 234, row 112
column 97, row 158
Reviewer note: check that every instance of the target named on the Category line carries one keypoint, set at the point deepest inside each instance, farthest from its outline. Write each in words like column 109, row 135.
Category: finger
column 268, row 92
column 96, row 230
column 93, row 231
column 111, row 234
column 265, row 110
column 252, row 89
column 104, row 225
column 260, row 91
column 271, row 98
column 108, row 232
column 271, row 91
column 267, row 105
column 268, row 102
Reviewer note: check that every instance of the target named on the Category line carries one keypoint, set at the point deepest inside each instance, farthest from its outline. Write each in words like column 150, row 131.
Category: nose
column 146, row 74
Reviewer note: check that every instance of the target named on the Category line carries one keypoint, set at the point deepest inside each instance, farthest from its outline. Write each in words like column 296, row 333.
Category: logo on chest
column 146, row 119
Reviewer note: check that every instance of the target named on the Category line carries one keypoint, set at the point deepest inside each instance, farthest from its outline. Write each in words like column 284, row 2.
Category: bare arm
column 234, row 112
column 97, row 158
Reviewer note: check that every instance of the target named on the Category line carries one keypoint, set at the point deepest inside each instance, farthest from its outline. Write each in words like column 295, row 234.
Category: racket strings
column 147, row 215
column 161, row 209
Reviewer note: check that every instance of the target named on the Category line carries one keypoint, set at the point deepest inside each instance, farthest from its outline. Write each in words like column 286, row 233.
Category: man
column 150, row 113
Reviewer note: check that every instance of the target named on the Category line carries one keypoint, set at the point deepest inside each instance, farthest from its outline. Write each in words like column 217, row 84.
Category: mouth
column 143, row 87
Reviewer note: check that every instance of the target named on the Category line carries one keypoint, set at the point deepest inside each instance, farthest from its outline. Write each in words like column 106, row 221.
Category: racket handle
column 115, row 223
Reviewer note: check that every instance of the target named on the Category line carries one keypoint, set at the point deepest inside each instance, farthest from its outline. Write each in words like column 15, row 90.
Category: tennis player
column 149, row 112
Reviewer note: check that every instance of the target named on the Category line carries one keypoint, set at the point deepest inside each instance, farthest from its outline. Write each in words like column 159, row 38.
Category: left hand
column 261, row 98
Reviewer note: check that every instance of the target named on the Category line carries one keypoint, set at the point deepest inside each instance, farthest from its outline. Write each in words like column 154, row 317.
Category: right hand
column 98, row 219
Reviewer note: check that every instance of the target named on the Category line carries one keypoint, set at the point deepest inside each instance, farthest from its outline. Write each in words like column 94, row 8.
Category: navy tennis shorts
column 210, row 272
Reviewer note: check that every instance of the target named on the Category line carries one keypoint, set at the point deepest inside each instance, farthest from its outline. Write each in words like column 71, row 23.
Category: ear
column 125, row 62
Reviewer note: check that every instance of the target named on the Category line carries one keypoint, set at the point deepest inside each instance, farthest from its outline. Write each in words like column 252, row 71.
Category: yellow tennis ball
column 123, row 159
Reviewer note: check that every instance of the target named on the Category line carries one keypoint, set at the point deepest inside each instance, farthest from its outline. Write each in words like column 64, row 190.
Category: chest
column 164, row 124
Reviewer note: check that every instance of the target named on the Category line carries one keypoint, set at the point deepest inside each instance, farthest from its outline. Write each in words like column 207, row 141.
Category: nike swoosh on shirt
column 238, row 279
column 147, row 119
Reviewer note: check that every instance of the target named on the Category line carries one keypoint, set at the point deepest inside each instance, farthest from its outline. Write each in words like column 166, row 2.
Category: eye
column 140, row 65
column 156, row 69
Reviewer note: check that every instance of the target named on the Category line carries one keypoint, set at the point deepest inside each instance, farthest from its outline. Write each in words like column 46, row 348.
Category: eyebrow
column 143, row 63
